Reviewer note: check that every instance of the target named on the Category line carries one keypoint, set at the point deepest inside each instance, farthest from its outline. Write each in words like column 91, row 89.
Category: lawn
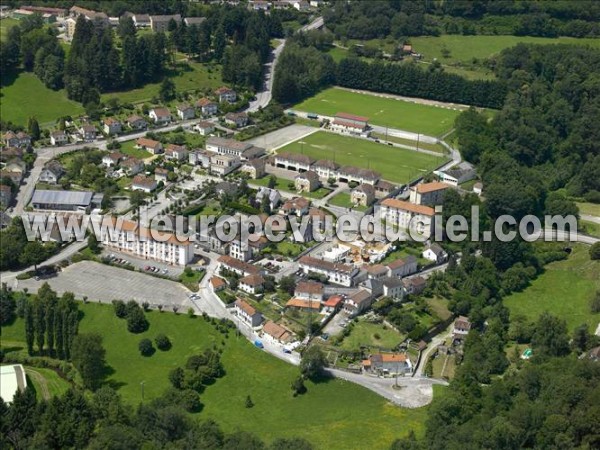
column 128, row 148
column 282, row 184
column 191, row 77
column 591, row 228
column 565, row 289
column 192, row 279
column 371, row 334
column 395, row 164
column 343, row 200
column 47, row 382
column 287, row 248
column 331, row 414
column 389, row 112
column 439, row 148
column 591, row 209
column 24, row 95
column 5, row 25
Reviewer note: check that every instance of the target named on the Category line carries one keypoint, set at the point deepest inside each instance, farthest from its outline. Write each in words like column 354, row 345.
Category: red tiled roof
column 343, row 115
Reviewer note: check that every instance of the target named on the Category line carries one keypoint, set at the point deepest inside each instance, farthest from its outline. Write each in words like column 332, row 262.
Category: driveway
column 99, row 282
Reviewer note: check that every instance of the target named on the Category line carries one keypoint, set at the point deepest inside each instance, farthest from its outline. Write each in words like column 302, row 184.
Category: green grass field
column 332, row 414
column 344, row 200
column 5, row 25
column 27, row 96
column 283, row 184
column 371, row 334
column 591, row 228
column 47, row 382
column 438, row 148
column 403, row 115
column 591, row 209
column 565, row 289
column 129, row 148
column 395, row 164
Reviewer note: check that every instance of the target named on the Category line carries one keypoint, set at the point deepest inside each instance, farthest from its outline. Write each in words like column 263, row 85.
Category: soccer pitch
column 387, row 112
column 395, row 164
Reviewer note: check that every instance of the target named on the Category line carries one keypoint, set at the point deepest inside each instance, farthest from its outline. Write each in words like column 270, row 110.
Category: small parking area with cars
column 145, row 265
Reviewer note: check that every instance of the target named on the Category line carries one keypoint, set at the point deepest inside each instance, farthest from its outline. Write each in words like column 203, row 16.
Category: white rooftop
column 12, row 378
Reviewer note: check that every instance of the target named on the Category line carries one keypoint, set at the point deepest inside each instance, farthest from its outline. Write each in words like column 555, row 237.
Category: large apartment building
column 138, row 241
column 407, row 215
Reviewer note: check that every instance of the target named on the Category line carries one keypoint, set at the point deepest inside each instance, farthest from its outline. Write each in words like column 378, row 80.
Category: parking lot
column 337, row 324
column 163, row 268
column 100, row 282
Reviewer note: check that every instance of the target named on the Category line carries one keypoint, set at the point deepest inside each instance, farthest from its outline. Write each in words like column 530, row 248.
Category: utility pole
column 142, row 387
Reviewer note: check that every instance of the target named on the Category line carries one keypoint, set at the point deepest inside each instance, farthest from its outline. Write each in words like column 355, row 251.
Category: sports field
column 25, row 95
column 387, row 112
column 330, row 415
column 565, row 290
column 395, row 164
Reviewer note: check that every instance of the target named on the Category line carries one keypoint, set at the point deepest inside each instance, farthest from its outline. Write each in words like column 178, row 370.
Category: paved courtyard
column 99, row 282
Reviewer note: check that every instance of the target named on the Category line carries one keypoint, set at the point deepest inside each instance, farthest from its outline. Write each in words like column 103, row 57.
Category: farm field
column 395, row 164
column 21, row 97
column 389, row 112
column 327, row 415
column 565, row 290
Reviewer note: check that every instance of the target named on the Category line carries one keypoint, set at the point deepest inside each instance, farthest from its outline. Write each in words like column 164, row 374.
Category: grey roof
column 62, row 197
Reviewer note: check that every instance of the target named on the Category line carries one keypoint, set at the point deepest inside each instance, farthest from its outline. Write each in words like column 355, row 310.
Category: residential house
column 304, row 304
column 19, row 139
column 94, row 16
column 217, row 283
column 293, row 161
column 140, row 242
column 363, row 195
column 350, row 124
column 307, row 181
column 112, row 126
column 255, row 168
column 408, row 215
column 388, row 364
column 276, row 333
column 403, row 267
column 383, row 189
column 186, row 112
column 15, row 177
column 199, row 157
column 87, row 132
column 259, row 5
column 113, row 159
column 242, row 268
column 189, row 21
column 358, row 302
column 429, row 194
column 176, row 152
column 150, row 145
column 252, row 284
column 5, row 195
column 160, row 116
column 594, row 354
column 224, row 94
column 301, row 5
column 337, row 273
column 9, row 153
column 51, row 172
column 160, row 24
column 59, row 137
column 309, row 290
column 132, row 166
column 325, row 168
column 226, row 188
column 161, row 174
column 297, row 206
column 435, row 253
column 414, row 285
column 136, row 122
column 393, row 287
column 333, row 304
column 461, row 328
column 272, row 196
column 143, row 183
column 478, row 188
column 247, row 313
column 238, row 119
column 224, row 164
column 207, row 107
column 204, row 128
column 376, row 271
column 348, row 174
column 141, row 20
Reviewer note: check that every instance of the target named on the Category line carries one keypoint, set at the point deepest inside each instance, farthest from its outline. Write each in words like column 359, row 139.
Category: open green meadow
column 344, row 200
column 395, row 164
column 46, row 382
column 388, row 112
column 333, row 414
column 371, row 335
column 25, row 95
column 564, row 289
column 5, row 25
column 592, row 209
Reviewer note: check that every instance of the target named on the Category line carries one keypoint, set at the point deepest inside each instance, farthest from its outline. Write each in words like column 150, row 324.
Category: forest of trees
column 545, row 137
column 404, row 18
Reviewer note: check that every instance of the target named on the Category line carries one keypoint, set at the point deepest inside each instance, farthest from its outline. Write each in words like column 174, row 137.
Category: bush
column 136, row 320
column 595, row 251
column 145, row 347
column 595, row 303
column 120, row 308
column 162, row 342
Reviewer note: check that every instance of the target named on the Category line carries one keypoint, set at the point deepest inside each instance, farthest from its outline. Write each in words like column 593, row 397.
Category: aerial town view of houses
column 410, row 114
